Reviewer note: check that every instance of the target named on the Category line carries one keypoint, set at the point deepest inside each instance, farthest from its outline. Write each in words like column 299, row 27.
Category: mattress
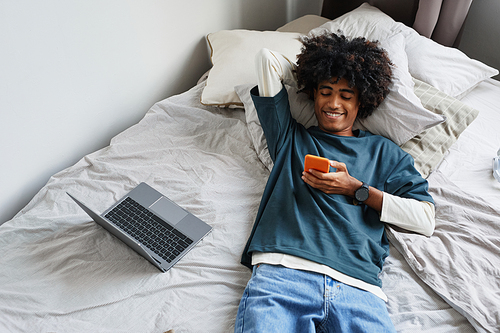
column 468, row 163
column 466, row 169
column 62, row 272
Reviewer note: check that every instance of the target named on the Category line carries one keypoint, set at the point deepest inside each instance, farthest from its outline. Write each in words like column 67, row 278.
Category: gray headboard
column 441, row 20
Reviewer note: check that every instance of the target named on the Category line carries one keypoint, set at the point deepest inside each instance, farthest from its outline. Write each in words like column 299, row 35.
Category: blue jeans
column 279, row 299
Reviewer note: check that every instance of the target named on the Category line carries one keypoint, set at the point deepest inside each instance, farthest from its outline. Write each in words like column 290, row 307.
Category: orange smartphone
column 317, row 163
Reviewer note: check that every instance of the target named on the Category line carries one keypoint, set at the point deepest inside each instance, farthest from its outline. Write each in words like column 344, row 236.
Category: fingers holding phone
column 317, row 174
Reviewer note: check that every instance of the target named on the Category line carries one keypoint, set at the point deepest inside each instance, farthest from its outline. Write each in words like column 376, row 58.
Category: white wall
column 74, row 73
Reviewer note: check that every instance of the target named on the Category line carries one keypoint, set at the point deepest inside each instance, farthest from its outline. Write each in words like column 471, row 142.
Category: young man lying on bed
column 318, row 243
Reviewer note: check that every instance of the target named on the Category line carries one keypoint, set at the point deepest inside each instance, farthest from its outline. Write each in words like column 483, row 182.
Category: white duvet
column 60, row 272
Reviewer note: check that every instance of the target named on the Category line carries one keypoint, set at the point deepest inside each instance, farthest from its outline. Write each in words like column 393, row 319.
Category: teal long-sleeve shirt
column 296, row 219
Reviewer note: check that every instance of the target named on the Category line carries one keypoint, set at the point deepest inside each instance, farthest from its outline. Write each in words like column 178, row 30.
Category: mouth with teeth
column 330, row 114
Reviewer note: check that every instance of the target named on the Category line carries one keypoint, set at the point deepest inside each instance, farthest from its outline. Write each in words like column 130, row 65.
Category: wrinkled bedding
column 461, row 261
column 61, row 272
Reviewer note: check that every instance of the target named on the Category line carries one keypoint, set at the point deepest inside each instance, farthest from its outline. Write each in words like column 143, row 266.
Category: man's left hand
column 338, row 182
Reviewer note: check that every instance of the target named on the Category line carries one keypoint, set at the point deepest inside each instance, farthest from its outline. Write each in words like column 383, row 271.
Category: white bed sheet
column 468, row 163
column 61, row 272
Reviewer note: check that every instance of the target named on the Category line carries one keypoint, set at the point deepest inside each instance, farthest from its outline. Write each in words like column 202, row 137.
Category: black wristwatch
column 362, row 193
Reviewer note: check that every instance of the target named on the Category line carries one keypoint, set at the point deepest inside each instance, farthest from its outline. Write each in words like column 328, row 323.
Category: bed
column 204, row 149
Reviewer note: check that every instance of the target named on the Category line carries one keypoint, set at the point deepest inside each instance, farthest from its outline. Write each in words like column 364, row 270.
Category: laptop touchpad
column 168, row 210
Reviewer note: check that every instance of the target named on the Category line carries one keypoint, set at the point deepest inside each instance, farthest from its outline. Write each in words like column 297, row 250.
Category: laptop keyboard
column 148, row 229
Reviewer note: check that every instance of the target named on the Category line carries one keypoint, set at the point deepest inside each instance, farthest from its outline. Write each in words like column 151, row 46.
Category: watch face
column 361, row 193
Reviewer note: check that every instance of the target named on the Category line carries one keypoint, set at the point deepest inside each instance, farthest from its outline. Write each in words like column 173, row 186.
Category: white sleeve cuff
column 409, row 214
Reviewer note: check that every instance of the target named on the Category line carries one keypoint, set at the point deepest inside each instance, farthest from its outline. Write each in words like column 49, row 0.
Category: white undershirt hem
column 294, row 262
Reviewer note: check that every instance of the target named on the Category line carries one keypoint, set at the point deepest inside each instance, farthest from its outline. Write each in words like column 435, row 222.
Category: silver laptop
column 152, row 225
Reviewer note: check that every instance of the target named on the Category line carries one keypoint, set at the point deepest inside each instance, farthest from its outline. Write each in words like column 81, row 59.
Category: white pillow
column 365, row 21
column 303, row 24
column 400, row 117
column 445, row 68
column 233, row 58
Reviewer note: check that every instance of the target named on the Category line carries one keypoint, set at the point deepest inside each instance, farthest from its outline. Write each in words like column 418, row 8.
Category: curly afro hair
column 362, row 63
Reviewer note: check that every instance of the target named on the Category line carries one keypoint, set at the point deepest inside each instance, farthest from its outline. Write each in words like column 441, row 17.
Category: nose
column 334, row 102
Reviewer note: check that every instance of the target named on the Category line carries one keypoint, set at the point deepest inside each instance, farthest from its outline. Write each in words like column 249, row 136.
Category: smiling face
column 336, row 106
